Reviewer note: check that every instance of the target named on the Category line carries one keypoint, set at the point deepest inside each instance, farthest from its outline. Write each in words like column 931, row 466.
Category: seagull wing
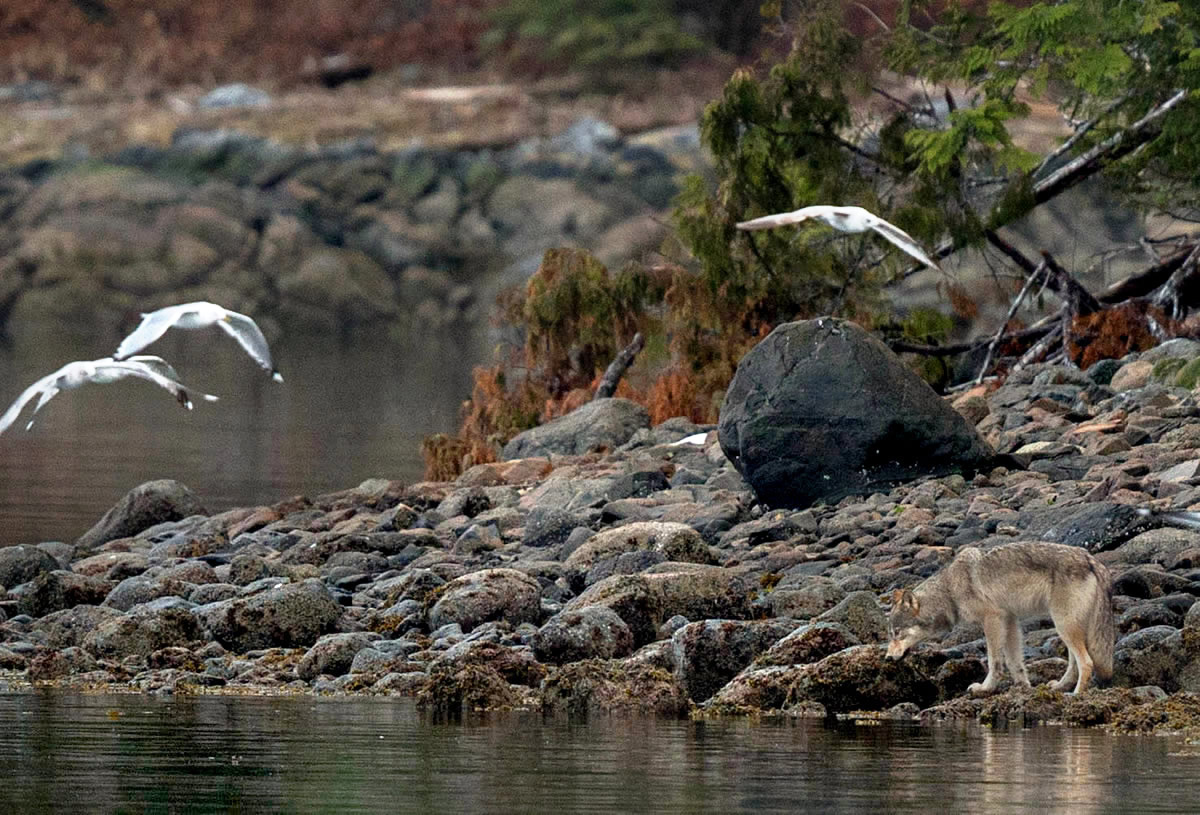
column 900, row 238
column 250, row 337
column 44, row 386
column 163, row 368
column 117, row 369
column 153, row 326
column 783, row 218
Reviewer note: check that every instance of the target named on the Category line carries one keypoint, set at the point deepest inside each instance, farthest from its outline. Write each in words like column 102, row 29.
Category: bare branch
column 874, row 16
column 1080, row 131
column 1031, row 333
column 1042, row 346
column 1084, row 166
column 896, row 100
column 1080, row 300
column 1013, row 253
column 1170, row 297
column 1012, row 310
column 1114, row 147
column 1146, row 281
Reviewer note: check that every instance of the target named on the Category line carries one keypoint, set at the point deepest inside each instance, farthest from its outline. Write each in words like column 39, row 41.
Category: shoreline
column 644, row 579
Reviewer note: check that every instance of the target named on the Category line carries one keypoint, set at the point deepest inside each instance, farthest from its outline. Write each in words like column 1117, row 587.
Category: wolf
column 1000, row 587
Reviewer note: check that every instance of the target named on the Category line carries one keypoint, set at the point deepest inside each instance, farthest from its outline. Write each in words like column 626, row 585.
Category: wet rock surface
column 588, row 600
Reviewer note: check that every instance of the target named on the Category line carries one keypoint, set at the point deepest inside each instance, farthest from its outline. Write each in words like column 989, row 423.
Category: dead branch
column 903, row 346
column 1084, row 166
column 1107, row 151
column 617, row 368
column 1146, row 281
column 1079, row 300
column 1170, row 296
column 1011, row 252
column 1040, row 348
column 1079, row 133
column 1012, row 310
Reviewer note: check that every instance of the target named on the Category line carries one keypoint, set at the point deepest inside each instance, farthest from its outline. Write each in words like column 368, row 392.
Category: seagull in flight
column 201, row 315
column 845, row 219
column 102, row 371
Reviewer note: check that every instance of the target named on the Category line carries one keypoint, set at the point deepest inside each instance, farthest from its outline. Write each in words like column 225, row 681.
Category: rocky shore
column 340, row 238
column 641, row 576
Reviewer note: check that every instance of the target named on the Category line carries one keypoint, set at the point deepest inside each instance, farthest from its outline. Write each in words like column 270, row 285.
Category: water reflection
column 344, row 414
column 61, row 752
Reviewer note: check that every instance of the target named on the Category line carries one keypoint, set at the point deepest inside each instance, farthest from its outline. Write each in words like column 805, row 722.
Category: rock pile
column 340, row 238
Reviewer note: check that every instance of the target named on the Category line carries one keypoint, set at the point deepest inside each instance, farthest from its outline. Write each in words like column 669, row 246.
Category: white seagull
column 102, row 371
column 201, row 315
column 845, row 219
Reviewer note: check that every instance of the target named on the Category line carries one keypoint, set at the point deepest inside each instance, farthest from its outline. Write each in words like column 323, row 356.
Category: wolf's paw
column 978, row 689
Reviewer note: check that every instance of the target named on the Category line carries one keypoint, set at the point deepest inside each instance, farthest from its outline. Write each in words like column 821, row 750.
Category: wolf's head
column 906, row 626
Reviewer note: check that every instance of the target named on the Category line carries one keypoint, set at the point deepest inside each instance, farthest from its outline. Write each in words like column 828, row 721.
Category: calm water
column 141, row 754
column 344, row 414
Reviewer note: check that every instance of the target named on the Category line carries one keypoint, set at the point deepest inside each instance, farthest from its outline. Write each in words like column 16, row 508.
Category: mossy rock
column 1188, row 375
column 1165, row 369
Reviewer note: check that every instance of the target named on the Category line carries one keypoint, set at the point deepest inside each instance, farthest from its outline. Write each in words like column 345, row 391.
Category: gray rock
column 805, row 596
column 142, row 507
column 711, row 652
column 483, row 596
column 548, row 526
column 586, row 136
column 677, row 541
column 57, row 590
column 809, row 643
column 1151, row 656
column 133, row 591
column 645, row 601
column 236, row 95
column 601, row 423
column 289, row 616
column 595, row 632
column 20, row 564
column 627, row 563
column 861, row 613
column 141, row 632
column 820, row 410
column 859, row 678
column 69, row 627
column 333, row 654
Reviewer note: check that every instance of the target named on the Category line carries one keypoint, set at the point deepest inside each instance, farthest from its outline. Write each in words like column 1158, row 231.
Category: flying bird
column 845, row 219
column 102, row 371
column 201, row 315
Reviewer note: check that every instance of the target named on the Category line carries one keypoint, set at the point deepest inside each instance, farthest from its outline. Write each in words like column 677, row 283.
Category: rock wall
column 339, row 238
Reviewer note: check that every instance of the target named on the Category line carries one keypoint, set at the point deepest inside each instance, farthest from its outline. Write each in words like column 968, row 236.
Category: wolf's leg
column 1072, row 673
column 1014, row 651
column 1075, row 639
column 994, row 629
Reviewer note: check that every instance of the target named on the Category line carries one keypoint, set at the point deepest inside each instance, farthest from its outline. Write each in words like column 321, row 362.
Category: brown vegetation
column 576, row 316
column 150, row 44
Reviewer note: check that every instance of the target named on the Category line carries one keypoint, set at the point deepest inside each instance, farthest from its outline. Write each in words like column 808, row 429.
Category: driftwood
column 617, row 368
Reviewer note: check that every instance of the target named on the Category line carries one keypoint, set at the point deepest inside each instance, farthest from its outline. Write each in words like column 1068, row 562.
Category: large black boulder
column 820, row 409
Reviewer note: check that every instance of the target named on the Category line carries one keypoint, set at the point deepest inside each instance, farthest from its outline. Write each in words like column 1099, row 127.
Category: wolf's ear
column 904, row 598
column 896, row 598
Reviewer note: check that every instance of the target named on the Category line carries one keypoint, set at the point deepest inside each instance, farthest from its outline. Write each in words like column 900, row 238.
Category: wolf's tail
column 1101, row 636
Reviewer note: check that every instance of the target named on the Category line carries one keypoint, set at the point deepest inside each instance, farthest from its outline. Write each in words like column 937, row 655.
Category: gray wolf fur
column 1000, row 587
